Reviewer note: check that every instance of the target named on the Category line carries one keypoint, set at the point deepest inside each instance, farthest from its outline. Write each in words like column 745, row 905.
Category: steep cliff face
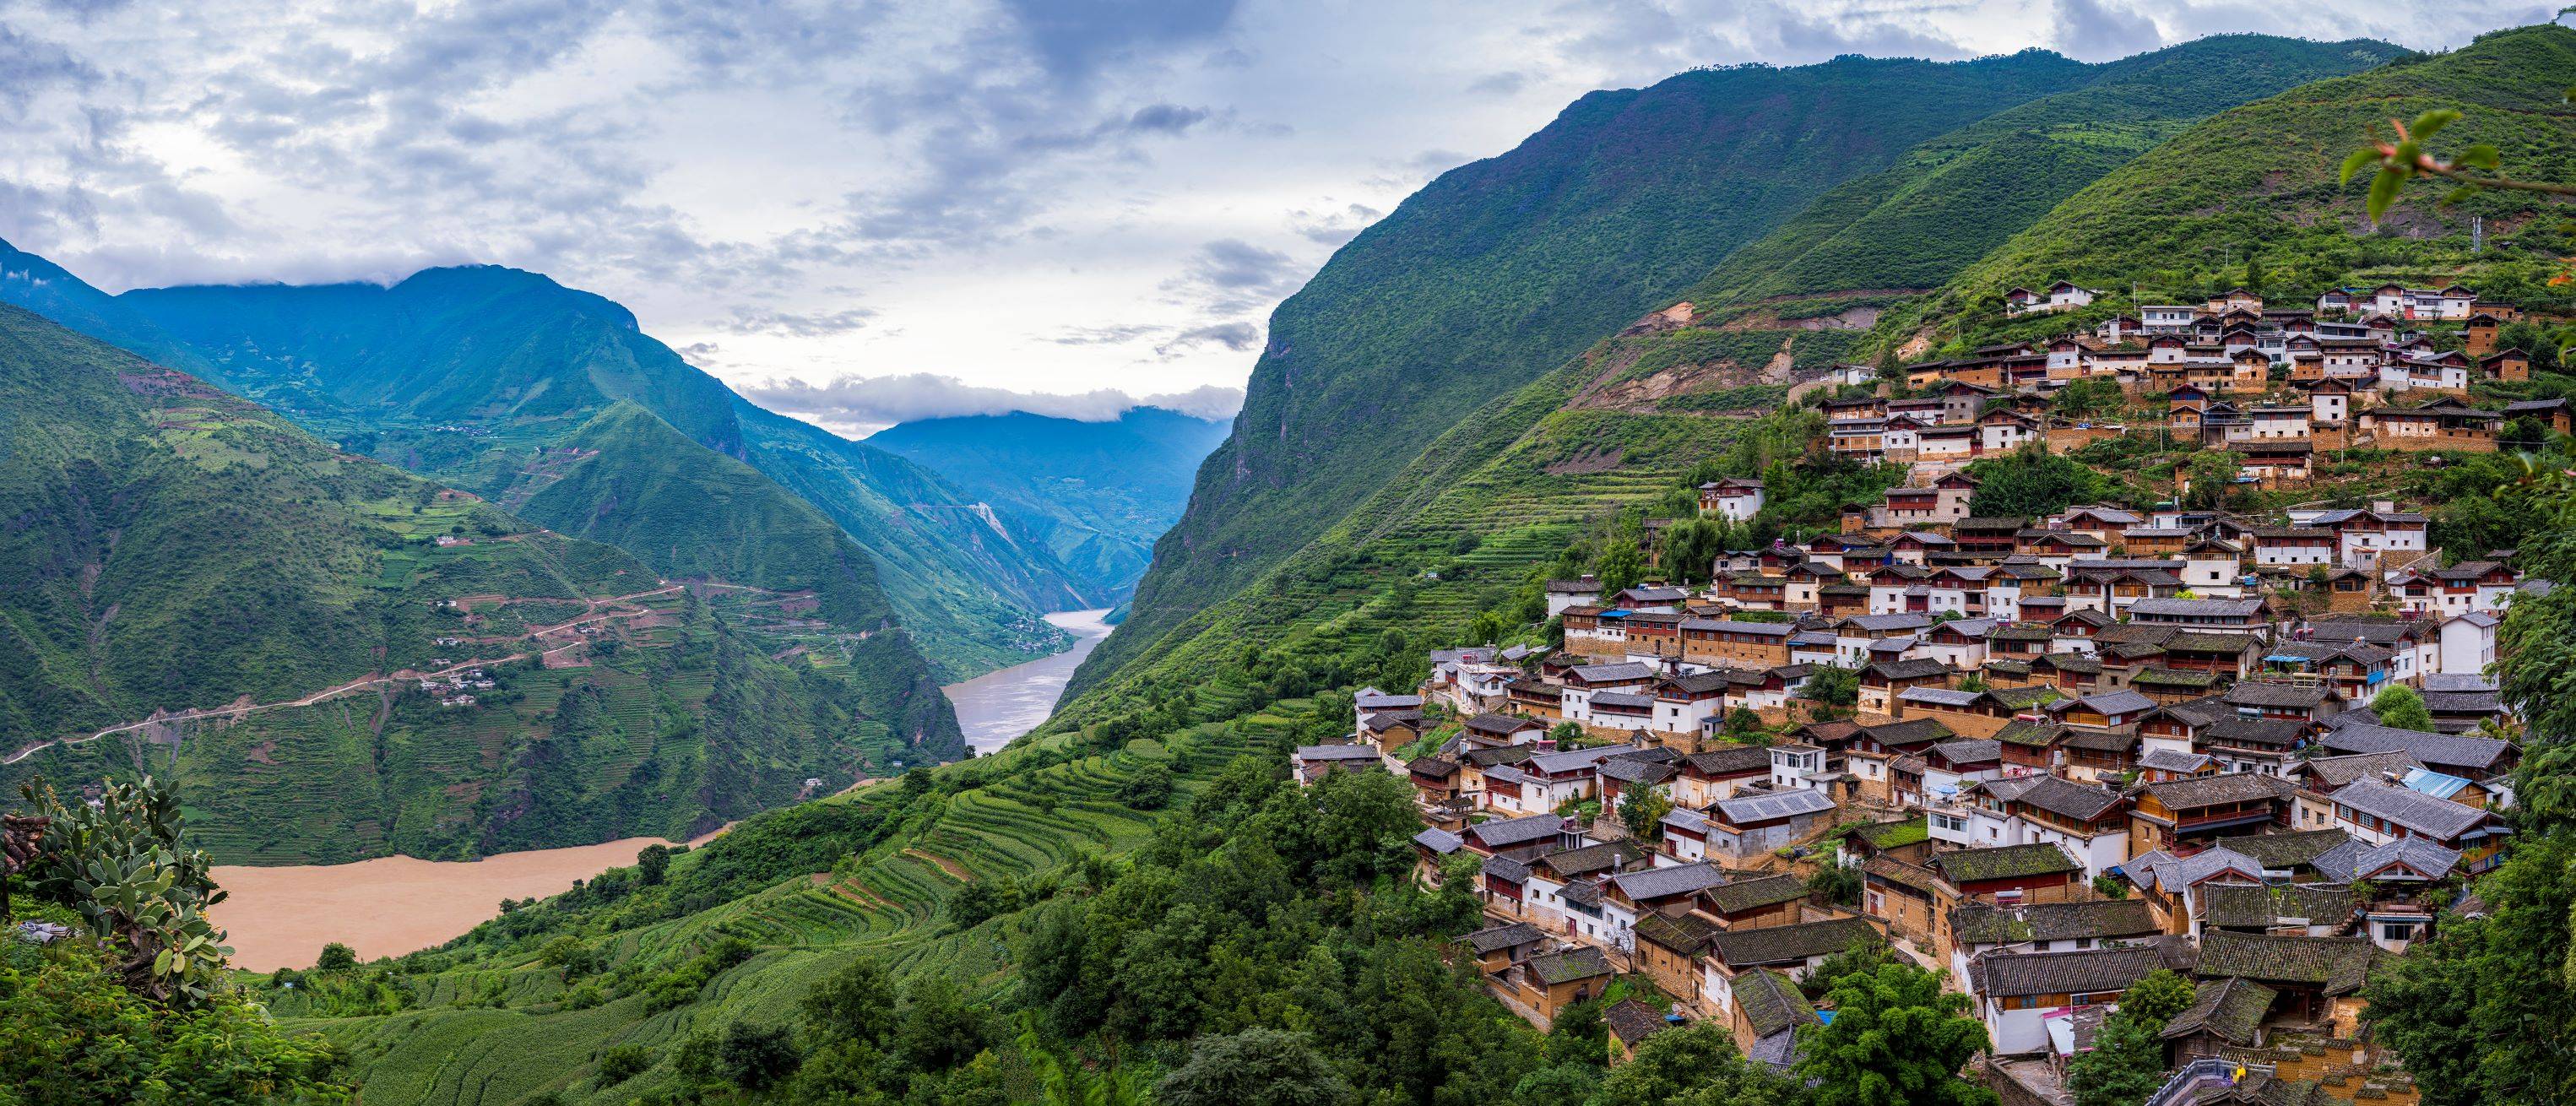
column 1502, row 269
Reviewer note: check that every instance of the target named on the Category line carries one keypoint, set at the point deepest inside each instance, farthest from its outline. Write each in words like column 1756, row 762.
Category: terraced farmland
column 492, row 1028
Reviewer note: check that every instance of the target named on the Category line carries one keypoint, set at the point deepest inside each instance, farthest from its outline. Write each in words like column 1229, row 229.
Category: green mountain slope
column 1946, row 202
column 177, row 554
column 45, row 288
column 471, row 374
column 1097, row 493
column 1500, row 270
column 2262, row 179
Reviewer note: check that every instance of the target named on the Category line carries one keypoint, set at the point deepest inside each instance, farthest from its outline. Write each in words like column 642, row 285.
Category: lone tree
column 1897, row 1039
column 1257, row 1067
column 2399, row 707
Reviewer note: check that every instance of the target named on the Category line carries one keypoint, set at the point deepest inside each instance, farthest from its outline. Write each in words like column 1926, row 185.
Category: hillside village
column 2048, row 755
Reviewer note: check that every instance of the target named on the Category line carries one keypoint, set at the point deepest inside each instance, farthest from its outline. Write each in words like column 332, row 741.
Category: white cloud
column 858, row 406
column 1025, row 195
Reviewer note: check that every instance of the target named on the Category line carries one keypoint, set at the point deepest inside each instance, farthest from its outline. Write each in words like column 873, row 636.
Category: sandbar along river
column 280, row 917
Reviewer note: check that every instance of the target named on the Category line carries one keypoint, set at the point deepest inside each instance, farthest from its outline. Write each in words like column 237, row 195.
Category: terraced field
column 499, row 1028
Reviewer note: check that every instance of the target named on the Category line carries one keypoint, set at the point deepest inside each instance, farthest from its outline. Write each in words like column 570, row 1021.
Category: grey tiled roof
column 2229, row 1009
column 2337, row 964
column 2261, row 906
column 1982, row 924
column 2285, row 850
column 1633, row 1021
column 1439, row 840
column 1746, row 808
column 2201, row 791
column 2354, row 860
column 2066, row 797
column 2434, row 750
column 1743, row 948
column 2004, row 862
column 1729, row 758
column 1658, row 883
column 1754, row 894
column 1508, row 935
column 1598, row 673
column 2258, row 693
column 2439, row 819
column 2331, row 773
column 1506, row 832
column 2173, row 760
column 2003, row 974
column 1770, row 1003
column 1581, row 962
column 2196, row 608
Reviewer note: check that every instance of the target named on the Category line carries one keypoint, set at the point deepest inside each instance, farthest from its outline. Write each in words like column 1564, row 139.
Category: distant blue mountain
column 1098, row 493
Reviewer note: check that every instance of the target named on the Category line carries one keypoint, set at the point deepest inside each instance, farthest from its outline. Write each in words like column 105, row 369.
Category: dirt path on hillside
column 239, row 710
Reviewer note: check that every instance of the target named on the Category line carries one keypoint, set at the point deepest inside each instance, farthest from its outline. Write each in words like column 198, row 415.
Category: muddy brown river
column 281, row 917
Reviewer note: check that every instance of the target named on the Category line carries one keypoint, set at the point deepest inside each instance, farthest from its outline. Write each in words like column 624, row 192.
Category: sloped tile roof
column 2285, row 850
column 2002, row 974
column 2432, row 749
column 2356, row 860
column 1982, row 924
column 1754, row 894
column 2439, row 819
column 1770, row 1003
column 2004, row 862
column 1745, row 808
column 1508, row 935
column 1742, row 948
column 1606, row 856
column 2259, row 906
column 1633, row 1021
column 1685, row 934
column 1730, row 758
column 1659, row 883
column 2229, row 1009
column 2066, row 797
column 1583, row 962
column 2201, row 791
column 1505, row 832
column 2337, row 964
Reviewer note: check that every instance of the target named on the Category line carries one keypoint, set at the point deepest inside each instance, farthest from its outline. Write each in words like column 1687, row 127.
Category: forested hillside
column 1500, row 270
column 180, row 554
column 1097, row 493
column 1945, row 203
column 477, row 375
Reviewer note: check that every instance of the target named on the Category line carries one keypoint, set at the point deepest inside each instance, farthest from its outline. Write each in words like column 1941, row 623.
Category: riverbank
column 281, row 917
column 997, row 707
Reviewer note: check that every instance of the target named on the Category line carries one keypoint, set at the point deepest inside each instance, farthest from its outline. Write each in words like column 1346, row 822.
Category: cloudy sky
column 885, row 209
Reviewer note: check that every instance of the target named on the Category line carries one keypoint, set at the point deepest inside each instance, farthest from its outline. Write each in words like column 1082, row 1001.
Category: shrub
column 621, row 1063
